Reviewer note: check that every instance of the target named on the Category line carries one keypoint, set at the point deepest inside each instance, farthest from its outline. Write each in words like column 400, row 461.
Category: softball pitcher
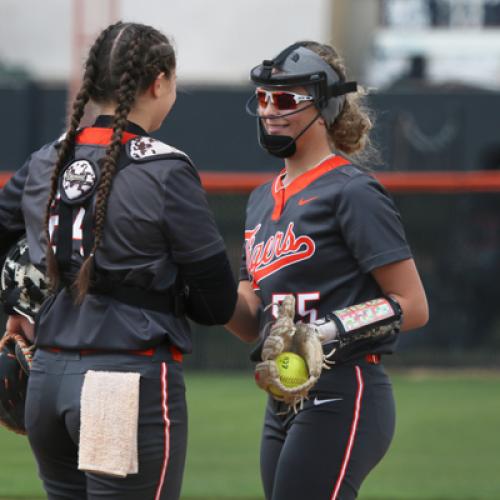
column 326, row 233
column 122, row 225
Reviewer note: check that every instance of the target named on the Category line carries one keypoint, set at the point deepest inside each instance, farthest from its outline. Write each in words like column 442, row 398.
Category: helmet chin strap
column 281, row 146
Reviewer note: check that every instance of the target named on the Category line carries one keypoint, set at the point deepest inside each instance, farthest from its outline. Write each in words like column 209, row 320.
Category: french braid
column 68, row 143
column 126, row 96
column 124, row 61
column 136, row 59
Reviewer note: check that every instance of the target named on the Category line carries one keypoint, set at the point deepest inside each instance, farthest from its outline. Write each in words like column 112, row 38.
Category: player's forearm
column 415, row 311
column 20, row 324
column 244, row 323
column 401, row 281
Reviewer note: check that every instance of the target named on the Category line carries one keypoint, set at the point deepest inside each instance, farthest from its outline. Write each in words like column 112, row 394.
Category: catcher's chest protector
column 72, row 211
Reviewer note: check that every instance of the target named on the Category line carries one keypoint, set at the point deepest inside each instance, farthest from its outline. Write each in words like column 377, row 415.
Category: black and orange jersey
column 157, row 220
column 319, row 237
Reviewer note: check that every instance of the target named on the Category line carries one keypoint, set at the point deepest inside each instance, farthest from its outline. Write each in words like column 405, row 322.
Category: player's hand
column 21, row 325
column 282, row 331
column 287, row 336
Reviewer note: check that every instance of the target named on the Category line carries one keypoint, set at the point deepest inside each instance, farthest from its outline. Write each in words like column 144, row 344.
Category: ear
column 157, row 86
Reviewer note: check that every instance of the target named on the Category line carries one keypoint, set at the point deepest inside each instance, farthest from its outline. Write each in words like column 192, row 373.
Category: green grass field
column 447, row 443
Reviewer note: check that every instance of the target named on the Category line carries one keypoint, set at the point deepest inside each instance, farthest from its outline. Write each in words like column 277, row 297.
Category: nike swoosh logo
column 318, row 402
column 303, row 201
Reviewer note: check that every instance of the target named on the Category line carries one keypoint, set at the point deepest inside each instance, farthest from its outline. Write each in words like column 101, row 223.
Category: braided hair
column 124, row 61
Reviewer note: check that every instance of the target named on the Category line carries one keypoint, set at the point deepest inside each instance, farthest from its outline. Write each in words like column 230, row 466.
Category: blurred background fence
column 445, row 148
column 455, row 238
column 433, row 67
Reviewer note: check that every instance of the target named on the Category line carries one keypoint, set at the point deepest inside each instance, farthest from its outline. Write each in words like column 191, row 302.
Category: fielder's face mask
column 297, row 66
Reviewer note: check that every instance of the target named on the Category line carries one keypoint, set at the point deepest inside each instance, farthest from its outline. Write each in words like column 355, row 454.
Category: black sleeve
column 371, row 224
column 11, row 215
column 189, row 221
column 212, row 290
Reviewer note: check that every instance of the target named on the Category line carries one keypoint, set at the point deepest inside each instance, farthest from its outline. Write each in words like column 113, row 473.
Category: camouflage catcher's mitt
column 23, row 287
column 22, row 290
column 287, row 336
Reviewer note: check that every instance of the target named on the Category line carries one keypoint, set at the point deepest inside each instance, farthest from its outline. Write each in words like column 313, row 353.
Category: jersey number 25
column 301, row 300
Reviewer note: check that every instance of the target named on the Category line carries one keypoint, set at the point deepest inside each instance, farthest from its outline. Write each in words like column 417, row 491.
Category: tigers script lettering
column 278, row 251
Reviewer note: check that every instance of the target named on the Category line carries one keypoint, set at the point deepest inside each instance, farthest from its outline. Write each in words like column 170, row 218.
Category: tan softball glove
column 285, row 336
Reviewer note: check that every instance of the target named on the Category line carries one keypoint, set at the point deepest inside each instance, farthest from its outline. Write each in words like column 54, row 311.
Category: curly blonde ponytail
column 350, row 133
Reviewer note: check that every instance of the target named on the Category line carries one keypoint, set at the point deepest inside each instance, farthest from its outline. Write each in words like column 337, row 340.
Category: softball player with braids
column 121, row 223
column 326, row 232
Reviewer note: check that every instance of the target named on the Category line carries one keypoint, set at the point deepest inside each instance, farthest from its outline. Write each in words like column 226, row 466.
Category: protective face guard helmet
column 298, row 66
column 23, row 287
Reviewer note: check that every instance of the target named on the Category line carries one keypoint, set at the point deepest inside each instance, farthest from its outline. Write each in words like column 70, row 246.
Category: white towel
column 108, row 423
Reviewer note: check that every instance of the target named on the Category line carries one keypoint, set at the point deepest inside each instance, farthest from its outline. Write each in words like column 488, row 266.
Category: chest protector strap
column 77, row 184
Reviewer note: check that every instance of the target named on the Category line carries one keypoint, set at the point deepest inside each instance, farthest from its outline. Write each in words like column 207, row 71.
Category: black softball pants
column 53, row 422
column 326, row 450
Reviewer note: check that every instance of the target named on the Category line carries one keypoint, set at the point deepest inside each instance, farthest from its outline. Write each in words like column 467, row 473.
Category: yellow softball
column 292, row 370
